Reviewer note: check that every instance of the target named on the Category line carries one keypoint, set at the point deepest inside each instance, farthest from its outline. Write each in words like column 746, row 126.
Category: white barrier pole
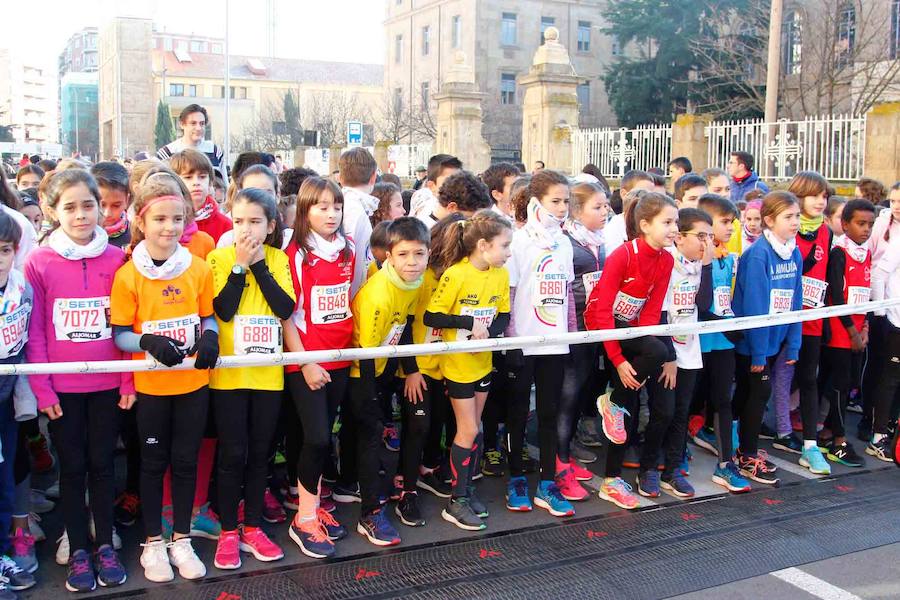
column 577, row 337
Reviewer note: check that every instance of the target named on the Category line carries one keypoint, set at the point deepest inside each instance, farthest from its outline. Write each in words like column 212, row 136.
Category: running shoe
column 312, row 538
column 408, row 511
column 205, row 524
column 844, row 454
column 183, row 558
column 735, row 436
column 729, row 478
column 327, row 504
column 23, row 550
column 582, row 454
column 517, row 498
column 706, row 439
column 16, row 578
column 6, row 593
column 335, row 530
column 397, row 488
column 52, row 492
column 695, row 424
column 757, row 468
column 272, row 511
column 684, row 466
column 813, row 460
column 255, row 541
column 766, row 433
column 789, row 443
column 619, row 493
column 430, row 481
column 34, row 529
column 62, row 549
column 155, row 561
column 549, row 497
column 228, row 554
column 632, row 459
column 40, row 504
column 864, row 431
column 291, row 500
column 79, row 574
column 569, row 487
column 127, row 508
column 41, row 458
column 529, row 465
column 391, row 438
column 677, row 485
column 880, row 449
column 110, row 571
column 478, row 507
column 460, row 513
column 648, row 483
column 376, row 528
column 324, row 490
column 581, row 474
column 613, row 419
column 346, row 494
column 589, row 432
column 493, row 464
column 796, row 421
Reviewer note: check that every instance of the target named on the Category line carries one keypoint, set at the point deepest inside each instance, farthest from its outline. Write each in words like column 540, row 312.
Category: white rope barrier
column 577, row 337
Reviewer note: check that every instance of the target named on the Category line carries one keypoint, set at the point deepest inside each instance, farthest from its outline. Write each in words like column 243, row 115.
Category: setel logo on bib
column 14, row 331
column 82, row 319
column 330, row 303
column 483, row 315
column 549, row 290
column 182, row 329
column 813, row 292
column 257, row 334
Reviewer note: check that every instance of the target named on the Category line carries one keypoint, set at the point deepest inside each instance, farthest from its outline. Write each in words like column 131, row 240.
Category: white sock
column 877, row 437
column 293, row 490
column 809, row 444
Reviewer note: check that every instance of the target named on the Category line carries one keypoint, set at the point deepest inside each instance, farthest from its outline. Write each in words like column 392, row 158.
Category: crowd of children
column 113, row 263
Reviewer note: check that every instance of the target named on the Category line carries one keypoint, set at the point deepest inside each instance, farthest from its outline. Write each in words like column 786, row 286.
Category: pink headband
column 754, row 204
column 157, row 200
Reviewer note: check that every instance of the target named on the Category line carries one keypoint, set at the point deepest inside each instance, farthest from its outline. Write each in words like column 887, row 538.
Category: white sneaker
column 155, row 561
column 53, row 491
column 92, row 531
column 36, row 531
column 40, row 504
column 62, row 550
column 182, row 556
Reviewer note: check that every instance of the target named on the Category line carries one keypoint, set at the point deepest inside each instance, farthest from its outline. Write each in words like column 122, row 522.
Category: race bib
column 813, row 292
column 857, row 294
column 82, row 319
column 722, row 301
column 393, row 336
column 626, row 308
column 590, row 280
column 330, row 303
column 780, row 300
column 182, row 329
column 483, row 315
column 684, row 300
column 256, row 334
column 549, row 290
column 14, row 331
column 432, row 335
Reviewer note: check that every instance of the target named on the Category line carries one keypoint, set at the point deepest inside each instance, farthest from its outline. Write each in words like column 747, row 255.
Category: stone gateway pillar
column 459, row 117
column 550, row 106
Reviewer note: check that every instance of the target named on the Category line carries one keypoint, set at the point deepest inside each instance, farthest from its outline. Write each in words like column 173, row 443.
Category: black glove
column 515, row 360
column 207, row 350
column 166, row 350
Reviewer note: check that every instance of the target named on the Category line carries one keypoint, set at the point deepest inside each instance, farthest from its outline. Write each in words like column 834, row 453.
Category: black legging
column 85, row 439
column 246, row 421
column 130, row 439
column 416, row 421
column 874, row 365
column 667, row 429
column 580, row 366
column 168, row 433
column 890, row 379
column 364, row 414
column 805, row 375
column 752, row 391
column 646, row 355
column 837, row 363
column 316, row 411
column 718, row 377
column 499, row 396
column 442, row 422
column 547, row 373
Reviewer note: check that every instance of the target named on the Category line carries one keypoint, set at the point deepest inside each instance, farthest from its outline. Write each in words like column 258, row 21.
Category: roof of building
column 269, row 69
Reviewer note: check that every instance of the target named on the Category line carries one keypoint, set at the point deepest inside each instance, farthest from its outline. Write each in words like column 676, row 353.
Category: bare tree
column 391, row 119
column 266, row 131
column 328, row 112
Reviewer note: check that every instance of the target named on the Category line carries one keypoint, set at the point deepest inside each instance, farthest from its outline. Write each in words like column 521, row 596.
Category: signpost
column 354, row 134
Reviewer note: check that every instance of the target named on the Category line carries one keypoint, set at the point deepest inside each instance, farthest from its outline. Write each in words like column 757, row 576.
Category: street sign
column 354, row 134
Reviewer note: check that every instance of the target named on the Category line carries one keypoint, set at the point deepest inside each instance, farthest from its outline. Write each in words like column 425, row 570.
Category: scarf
column 583, row 235
column 65, row 247
column 189, row 231
column 208, row 209
column 810, row 224
column 12, row 296
column 857, row 252
column 750, row 237
column 720, row 250
column 117, row 228
column 783, row 250
column 324, row 249
column 687, row 267
column 398, row 281
column 367, row 201
column 542, row 227
column 174, row 266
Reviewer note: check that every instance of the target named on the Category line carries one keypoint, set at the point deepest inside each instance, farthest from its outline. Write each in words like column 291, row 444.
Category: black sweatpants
column 805, row 376
column 365, row 413
column 890, row 379
column 547, row 373
column 837, row 363
column 245, row 421
column 416, row 422
column 718, row 377
column 442, row 422
column 85, row 439
column 667, row 429
column 751, row 395
column 169, row 435
column 499, row 398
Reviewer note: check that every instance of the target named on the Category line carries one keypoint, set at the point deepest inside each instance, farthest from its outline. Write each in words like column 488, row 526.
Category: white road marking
column 813, row 585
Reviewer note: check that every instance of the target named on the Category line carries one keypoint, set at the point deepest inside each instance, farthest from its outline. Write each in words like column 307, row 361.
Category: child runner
column 257, row 177
column 72, row 279
column 751, row 227
column 254, row 293
column 471, row 302
column 321, row 261
column 197, row 173
column 390, row 203
column 162, row 305
column 834, row 216
column 540, row 278
column 112, row 178
column 768, row 282
column 630, row 293
column 849, row 282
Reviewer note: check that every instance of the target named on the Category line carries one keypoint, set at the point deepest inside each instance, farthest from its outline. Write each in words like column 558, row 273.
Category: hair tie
column 157, row 200
column 462, row 224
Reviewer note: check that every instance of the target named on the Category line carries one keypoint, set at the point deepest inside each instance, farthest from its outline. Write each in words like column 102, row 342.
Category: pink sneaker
column 255, row 541
column 272, row 511
column 23, row 550
column 227, row 554
column 619, row 493
column 324, row 490
column 581, row 474
column 569, row 486
column 613, row 419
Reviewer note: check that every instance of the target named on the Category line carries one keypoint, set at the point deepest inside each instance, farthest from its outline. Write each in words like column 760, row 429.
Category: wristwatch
column 238, row 270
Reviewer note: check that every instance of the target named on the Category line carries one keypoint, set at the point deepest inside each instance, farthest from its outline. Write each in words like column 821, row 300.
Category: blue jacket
column 763, row 278
column 722, row 273
column 751, row 183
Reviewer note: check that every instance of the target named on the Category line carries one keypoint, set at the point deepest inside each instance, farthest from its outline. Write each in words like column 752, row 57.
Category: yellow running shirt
column 429, row 363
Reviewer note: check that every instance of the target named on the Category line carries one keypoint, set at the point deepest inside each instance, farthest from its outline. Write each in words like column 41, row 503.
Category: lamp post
column 773, row 65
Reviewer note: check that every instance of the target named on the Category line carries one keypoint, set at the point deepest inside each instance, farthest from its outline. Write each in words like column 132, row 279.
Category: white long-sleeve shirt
column 886, row 278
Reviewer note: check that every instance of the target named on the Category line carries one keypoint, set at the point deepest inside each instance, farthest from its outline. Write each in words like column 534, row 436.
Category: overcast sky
column 340, row 30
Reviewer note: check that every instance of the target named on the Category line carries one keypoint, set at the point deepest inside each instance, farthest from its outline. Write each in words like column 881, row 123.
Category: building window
column 508, row 28
column 545, row 23
column 238, row 93
column 507, row 88
column 791, row 43
column 584, row 36
column 398, row 49
column 217, row 48
column 584, row 96
column 192, row 91
column 181, row 46
column 456, row 31
column 219, row 91
column 176, row 89
column 398, row 100
column 425, row 94
column 202, row 47
column 426, row 40
column 167, row 44
column 846, row 35
column 616, row 48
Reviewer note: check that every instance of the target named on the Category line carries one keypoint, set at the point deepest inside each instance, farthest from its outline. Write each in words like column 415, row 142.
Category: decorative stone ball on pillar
column 459, row 117
column 550, row 106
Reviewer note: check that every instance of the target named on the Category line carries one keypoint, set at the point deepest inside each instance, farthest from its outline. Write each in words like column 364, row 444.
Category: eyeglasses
column 701, row 236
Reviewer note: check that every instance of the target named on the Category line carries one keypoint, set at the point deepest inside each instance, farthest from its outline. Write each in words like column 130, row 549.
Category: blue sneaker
column 683, row 467
column 391, row 438
column 110, row 571
column 550, row 498
column 312, row 538
column 677, row 485
column 517, row 494
column 735, row 437
column 343, row 494
column 648, row 483
column 813, row 460
column 377, row 529
column 730, row 478
column 80, row 573
column 205, row 524
column 706, row 439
